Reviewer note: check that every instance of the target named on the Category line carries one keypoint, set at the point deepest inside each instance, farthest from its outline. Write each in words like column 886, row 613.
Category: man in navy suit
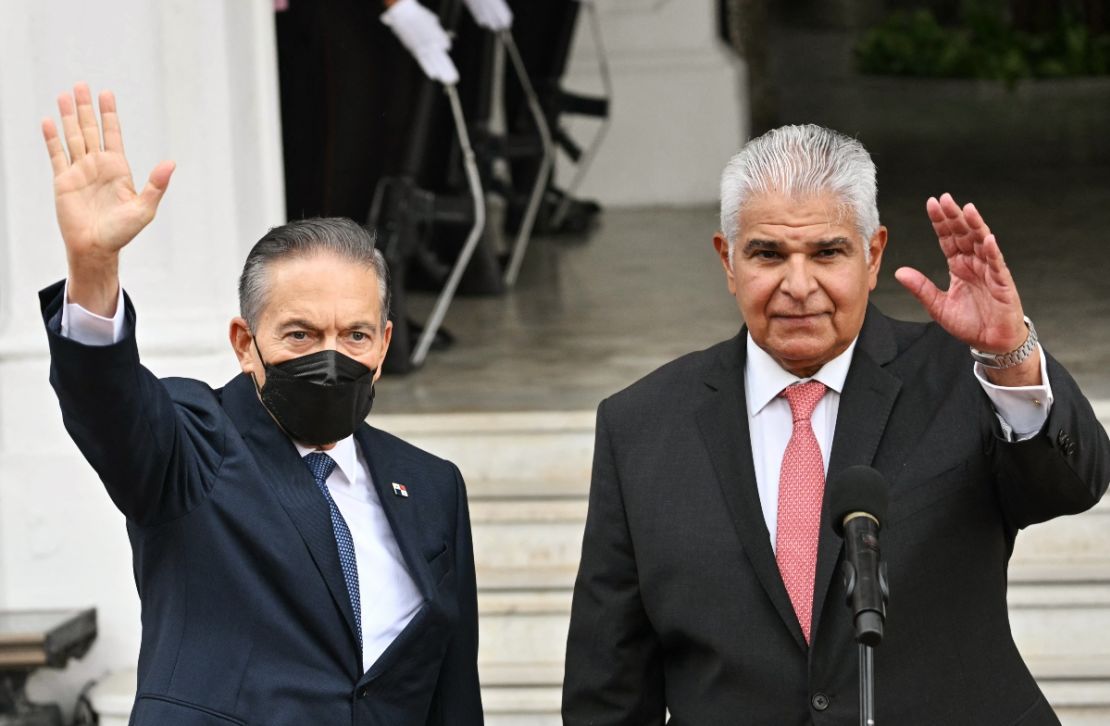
column 295, row 565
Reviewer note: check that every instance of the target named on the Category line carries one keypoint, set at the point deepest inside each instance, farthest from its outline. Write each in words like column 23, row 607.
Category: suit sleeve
column 458, row 694
column 155, row 457
column 614, row 670
column 1063, row 469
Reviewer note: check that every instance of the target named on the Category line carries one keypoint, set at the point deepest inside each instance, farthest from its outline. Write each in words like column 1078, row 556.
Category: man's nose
column 798, row 280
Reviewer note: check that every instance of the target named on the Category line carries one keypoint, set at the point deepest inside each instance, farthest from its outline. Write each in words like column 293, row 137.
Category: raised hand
column 98, row 209
column 981, row 306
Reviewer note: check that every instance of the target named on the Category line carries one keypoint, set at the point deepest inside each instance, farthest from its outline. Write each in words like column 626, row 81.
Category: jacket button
column 820, row 701
column 363, row 691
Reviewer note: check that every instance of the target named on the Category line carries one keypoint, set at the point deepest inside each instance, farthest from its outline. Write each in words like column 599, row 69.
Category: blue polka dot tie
column 321, row 466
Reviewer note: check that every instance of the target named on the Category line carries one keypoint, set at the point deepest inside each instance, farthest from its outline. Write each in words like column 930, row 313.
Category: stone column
column 196, row 82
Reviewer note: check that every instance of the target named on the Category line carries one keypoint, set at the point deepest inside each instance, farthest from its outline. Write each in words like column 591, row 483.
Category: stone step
column 536, row 543
column 528, row 706
column 507, row 454
column 527, row 544
column 523, row 455
column 523, row 633
column 1067, row 547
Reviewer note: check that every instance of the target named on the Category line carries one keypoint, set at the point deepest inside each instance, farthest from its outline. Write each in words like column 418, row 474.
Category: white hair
column 801, row 162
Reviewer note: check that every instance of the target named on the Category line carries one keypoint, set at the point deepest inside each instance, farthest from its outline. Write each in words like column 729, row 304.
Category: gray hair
column 801, row 162
column 302, row 238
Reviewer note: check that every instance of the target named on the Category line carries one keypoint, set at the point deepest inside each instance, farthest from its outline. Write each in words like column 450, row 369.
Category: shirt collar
column 764, row 378
column 343, row 453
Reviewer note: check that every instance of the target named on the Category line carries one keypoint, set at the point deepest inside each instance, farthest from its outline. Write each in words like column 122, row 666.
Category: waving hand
column 98, row 209
column 981, row 306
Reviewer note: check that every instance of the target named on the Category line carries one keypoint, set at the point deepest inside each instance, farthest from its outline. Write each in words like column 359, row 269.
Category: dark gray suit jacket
column 679, row 603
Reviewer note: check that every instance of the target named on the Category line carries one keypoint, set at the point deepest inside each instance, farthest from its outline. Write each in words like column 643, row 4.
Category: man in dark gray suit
column 706, row 586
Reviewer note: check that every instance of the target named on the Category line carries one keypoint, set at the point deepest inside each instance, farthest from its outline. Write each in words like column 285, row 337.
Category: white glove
column 491, row 14
column 419, row 31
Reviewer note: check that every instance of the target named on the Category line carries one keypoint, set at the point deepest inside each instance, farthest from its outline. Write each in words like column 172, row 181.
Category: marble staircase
column 527, row 480
column 528, row 477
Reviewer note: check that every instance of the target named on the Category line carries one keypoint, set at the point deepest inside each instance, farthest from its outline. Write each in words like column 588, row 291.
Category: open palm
column 981, row 306
column 98, row 208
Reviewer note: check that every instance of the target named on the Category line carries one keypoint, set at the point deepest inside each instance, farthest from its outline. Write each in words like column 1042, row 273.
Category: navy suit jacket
column 679, row 603
column 245, row 613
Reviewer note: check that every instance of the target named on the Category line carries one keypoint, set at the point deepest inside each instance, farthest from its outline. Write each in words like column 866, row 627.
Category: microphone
column 857, row 498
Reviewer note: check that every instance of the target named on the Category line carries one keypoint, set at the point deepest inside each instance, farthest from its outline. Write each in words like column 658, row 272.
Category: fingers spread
column 86, row 117
column 957, row 224
column 54, row 147
column 921, row 288
column 975, row 221
column 74, row 139
column 155, row 187
column 113, row 136
column 940, row 227
column 999, row 271
column 962, row 233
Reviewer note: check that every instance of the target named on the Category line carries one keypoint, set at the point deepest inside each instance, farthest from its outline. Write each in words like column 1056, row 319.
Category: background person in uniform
column 295, row 565
column 708, row 583
column 350, row 71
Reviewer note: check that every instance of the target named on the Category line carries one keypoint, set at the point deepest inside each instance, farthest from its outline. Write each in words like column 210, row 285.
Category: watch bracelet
column 1015, row 357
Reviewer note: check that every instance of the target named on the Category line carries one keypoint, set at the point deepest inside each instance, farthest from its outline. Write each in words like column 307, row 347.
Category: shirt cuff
column 1022, row 410
column 87, row 328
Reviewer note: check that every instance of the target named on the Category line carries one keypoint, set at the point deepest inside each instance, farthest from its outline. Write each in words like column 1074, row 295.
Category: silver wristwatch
column 1014, row 357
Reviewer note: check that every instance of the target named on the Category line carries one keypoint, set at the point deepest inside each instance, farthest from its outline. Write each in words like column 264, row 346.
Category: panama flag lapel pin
column 400, row 490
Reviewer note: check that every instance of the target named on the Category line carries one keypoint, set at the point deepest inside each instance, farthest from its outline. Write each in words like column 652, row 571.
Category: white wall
column 679, row 107
column 196, row 82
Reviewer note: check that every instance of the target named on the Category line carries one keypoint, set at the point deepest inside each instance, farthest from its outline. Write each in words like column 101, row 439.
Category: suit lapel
column 403, row 513
column 723, row 424
column 865, row 405
column 292, row 482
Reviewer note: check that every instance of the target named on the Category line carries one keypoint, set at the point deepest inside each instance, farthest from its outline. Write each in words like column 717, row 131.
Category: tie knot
column 803, row 398
column 320, row 464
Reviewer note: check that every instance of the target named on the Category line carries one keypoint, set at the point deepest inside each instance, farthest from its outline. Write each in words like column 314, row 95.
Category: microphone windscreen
column 856, row 489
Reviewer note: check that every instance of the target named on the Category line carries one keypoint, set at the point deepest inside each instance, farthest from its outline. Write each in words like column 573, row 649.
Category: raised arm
column 99, row 212
column 157, row 454
column 1062, row 469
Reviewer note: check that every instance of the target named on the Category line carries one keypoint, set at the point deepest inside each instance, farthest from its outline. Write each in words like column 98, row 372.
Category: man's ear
column 877, row 244
column 387, row 335
column 721, row 245
column 242, row 342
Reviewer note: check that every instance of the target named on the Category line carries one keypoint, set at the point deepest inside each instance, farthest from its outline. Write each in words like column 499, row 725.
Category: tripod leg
column 443, row 302
column 524, row 234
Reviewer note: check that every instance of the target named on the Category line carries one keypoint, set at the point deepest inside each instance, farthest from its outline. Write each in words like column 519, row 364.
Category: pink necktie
column 801, row 487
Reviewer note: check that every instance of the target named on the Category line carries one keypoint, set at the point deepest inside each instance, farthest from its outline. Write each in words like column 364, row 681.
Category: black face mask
column 318, row 398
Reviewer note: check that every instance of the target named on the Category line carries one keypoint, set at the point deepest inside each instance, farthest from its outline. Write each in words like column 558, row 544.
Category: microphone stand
column 866, row 685
column 869, row 633
column 857, row 503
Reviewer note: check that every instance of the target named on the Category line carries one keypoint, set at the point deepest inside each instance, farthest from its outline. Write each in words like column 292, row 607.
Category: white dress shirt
column 1021, row 411
column 388, row 594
